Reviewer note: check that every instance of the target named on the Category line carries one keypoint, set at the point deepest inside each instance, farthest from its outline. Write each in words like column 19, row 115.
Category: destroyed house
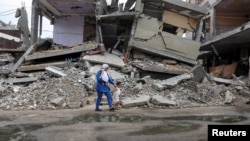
column 71, row 20
column 161, row 28
column 226, row 39
column 155, row 26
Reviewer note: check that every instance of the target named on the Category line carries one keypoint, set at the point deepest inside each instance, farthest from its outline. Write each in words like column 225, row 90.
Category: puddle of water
column 213, row 118
column 7, row 118
column 89, row 118
column 166, row 128
column 19, row 132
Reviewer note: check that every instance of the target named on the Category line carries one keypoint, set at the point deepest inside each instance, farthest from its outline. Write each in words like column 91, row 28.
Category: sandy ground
column 133, row 124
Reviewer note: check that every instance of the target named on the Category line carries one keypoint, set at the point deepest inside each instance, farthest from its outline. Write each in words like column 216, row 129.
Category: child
column 116, row 95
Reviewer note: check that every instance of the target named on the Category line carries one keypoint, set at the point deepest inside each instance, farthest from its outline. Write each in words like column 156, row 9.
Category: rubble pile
column 77, row 90
column 186, row 94
column 46, row 93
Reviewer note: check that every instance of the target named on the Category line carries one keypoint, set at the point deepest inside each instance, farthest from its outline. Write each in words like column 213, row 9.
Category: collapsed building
column 152, row 46
column 167, row 29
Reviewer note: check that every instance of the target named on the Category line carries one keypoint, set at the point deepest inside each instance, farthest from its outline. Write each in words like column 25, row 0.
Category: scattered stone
column 229, row 97
column 57, row 101
column 245, row 93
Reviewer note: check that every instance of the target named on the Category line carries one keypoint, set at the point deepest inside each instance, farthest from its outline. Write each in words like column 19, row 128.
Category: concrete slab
column 59, row 52
column 171, row 82
column 43, row 66
column 162, row 101
column 170, row 69
column 199, row 73
column 21, row 80
column 133, row 102
column 229, row 81
column 107, row 58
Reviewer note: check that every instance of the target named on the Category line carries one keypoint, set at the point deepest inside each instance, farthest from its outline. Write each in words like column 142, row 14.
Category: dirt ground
column 137, row 124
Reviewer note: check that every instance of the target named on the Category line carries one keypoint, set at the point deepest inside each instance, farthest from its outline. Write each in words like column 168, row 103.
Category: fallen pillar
column 20, row 61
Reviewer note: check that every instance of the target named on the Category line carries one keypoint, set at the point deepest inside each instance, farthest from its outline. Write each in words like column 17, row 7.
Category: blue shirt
column 102, row 86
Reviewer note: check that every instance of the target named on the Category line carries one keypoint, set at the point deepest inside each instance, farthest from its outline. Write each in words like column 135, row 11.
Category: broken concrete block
column 229, row 81
column 219, row 89
column 57, row 101
column 137, row 87
column 158, row 87
column 199, row 74
column 126, row 69
column 21, row 80
column 89, row 84
column 138, row 101
column 2, row 89
column 147, row 79
column 229, row 97
column 107, row 58
column 171, row 82
column 162, row 101
column 55, row 71
column 244, row 92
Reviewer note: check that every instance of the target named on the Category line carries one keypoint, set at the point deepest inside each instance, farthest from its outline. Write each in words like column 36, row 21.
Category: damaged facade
column 165, row 52
column 225, row 43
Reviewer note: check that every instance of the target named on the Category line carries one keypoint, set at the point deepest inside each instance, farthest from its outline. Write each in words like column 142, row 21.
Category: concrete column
column 40, row 26
column 34, row 22
column 212, row 22
column 199, row 30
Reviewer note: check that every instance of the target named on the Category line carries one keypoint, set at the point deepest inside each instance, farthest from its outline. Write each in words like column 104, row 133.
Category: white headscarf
column 104, row 74
column 104, row 66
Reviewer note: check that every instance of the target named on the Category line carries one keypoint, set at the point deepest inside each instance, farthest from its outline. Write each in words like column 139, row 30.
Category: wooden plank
column 42, row 66
column 40, row 55
column 19, row 62
column 179, row 20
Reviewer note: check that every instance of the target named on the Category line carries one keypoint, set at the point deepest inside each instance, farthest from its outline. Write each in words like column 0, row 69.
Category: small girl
column 116, row 95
